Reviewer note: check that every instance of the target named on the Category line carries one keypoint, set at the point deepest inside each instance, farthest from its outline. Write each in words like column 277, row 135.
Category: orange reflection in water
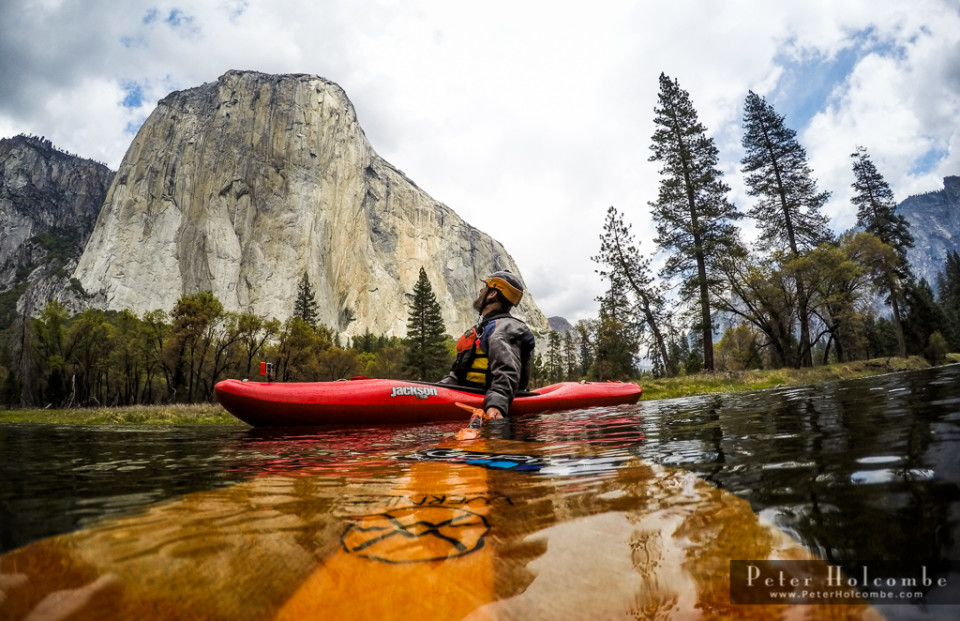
column 414, row 540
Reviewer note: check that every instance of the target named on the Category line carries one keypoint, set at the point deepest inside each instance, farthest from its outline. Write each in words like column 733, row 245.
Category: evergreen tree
column 948, row 289
column 877, row 214
column 924, row 316
column 694, row 218
column 881, row 337
column 570, row 356
column 305, row 306
column 876, row 208
column 427, row 356
column 554, row 365
column 627, row 270
column 10, row 393
column 585, row 331
column 616, row 341
column 788, row 208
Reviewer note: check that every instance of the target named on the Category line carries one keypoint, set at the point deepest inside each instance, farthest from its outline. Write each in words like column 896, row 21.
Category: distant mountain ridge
column 49, row 203
column 934, row 220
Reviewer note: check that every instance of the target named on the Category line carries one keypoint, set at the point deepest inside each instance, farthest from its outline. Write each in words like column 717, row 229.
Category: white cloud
column 898, row 102
column 529, row 119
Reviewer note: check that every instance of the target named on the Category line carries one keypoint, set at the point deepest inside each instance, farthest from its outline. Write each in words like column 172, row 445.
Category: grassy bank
column 705, row 383
column 202, row 414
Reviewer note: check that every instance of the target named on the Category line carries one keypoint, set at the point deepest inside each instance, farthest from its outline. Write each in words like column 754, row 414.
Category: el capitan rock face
column 239, row 187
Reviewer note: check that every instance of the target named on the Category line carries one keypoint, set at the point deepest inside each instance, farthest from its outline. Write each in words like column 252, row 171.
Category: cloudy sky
column 528, row 118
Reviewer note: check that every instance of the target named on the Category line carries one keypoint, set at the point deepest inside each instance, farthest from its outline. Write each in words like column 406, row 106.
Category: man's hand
column 493, row 414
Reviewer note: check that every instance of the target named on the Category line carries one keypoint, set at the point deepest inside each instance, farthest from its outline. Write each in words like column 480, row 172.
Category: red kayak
column 379, row 401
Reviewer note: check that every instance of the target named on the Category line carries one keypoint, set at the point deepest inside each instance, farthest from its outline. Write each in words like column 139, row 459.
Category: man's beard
column 478, row 304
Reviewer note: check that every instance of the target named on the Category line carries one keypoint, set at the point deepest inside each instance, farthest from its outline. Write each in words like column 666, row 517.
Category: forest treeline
column 110, row 358
column 798, row 296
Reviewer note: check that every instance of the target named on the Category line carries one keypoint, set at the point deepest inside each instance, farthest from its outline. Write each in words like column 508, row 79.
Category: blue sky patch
column 184, row 24
column 132, row 127
column 236, row 8
column 178, row 18
column 929, row 160
column 811, row 81
column 807, row 84
column 133, row 95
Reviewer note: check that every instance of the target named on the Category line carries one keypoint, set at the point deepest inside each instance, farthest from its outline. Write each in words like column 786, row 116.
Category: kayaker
column 496, row 354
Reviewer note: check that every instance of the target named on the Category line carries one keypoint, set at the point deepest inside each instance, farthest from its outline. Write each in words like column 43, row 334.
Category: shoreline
column 742, row 381
column 653, row 390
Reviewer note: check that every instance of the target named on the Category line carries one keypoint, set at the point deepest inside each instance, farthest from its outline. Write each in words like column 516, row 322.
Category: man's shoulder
column 513, row 329
column 506, row 319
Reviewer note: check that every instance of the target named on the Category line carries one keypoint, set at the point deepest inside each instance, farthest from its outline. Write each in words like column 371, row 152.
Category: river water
column 857, row 470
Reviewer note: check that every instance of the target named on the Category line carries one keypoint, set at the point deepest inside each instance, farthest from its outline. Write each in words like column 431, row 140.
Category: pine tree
column 788, row 208
column 616, row 343
column 948, row 290
column 10, row 393
column 877, row 214
column 570, row 356
column 305, row 306
column 924, row 316
column 694, row 218
column 554, row 363
column 627, row 270
column 427, row 357
column 585, row 331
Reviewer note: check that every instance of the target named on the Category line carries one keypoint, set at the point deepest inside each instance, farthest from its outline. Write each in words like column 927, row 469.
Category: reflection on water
column 866, row 469
column 861, row 470
column 423, row 539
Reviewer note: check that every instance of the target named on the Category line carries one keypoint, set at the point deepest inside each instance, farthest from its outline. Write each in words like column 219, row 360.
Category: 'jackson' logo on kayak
column 420, row 392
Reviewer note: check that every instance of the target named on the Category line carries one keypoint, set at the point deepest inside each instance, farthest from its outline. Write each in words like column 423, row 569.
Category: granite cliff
column 238, row 187
column 49, row 201
column 934, row 220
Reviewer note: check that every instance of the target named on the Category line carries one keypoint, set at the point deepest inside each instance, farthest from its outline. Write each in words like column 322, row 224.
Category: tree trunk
column 806, row 347
column 898, row 322
column 705, row 319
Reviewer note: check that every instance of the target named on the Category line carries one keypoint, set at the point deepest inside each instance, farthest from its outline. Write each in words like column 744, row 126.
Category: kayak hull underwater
column 381, row 401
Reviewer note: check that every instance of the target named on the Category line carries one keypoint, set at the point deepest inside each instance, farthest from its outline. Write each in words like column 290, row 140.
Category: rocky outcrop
column 239, row 187
column 560, row 324
column 934, row 220
column 49, row 201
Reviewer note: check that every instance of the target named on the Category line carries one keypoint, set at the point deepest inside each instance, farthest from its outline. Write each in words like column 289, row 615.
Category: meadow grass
column 734, row 381
column 177, row 414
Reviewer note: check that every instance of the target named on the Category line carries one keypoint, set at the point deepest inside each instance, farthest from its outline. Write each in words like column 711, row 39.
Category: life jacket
column 472, row 364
